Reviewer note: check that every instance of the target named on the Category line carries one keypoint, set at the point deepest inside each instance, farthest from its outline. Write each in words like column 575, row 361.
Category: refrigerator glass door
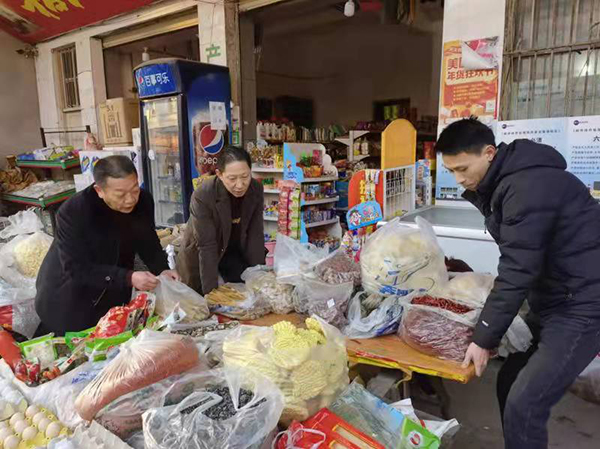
column 162, row 124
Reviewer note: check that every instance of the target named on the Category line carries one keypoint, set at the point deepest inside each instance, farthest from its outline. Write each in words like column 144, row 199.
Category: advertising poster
column 584, row 149
column 469, row 80
column 549, row 131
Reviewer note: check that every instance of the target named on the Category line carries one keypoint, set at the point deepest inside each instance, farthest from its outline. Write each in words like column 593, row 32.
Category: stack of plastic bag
column 222, row 408
column 20, row 261
column 398, row 259
column 310, row 366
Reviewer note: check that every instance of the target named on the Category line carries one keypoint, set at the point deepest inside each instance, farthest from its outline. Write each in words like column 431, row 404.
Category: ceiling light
column 349, row 8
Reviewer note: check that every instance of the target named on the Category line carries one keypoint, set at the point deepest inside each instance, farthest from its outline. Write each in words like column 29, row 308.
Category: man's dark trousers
column 530, row 384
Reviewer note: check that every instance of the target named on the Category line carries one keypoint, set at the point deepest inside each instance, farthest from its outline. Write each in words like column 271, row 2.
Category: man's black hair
column 465, row 136
column 117, row 167
column 231, row 154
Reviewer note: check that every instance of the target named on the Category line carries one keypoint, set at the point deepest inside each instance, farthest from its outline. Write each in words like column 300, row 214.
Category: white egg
column 53, row 430
column 31, row 411
column 30, row 433
column 5, row 433
column 3, row 424
column 16, row 418
column 43, row 424
column 20, row 426
column 12, row 442
column 37, row 418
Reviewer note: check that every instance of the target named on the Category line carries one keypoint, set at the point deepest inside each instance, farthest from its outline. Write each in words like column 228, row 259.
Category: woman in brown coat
column 225, row 232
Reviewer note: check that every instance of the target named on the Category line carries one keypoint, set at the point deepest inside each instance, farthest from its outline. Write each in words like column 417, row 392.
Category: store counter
column 462, row 235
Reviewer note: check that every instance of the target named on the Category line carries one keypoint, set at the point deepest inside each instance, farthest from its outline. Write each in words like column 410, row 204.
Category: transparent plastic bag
column 471, row 289
column 293, row 259
column 328, row 301
column 123, row 416
column 366, row 322
column 338, row 268
column 310, row 366
column 369, row 414
column 438, row 332
column 587, row 385
column 251, row 308
column 399, row 259
column 22, row 223
column 263, row 282
column 170, row 294
column 147, row 359
column 185, row 424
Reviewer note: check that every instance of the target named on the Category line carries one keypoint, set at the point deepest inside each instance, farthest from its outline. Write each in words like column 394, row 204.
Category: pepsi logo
column 141, row 80
column 211, row 141
column 415, row 439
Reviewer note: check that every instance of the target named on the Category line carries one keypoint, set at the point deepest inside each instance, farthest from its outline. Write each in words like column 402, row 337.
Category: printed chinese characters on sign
column 50, row 8
column 154, row 79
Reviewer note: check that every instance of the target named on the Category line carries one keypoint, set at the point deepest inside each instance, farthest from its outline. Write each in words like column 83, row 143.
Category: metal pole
column 550, row 79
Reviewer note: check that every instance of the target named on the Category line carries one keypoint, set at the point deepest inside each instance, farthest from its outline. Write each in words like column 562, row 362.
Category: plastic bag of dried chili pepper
column 438, row 327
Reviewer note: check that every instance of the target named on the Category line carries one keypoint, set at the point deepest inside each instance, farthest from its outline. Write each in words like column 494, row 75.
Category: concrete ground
column 575, row 423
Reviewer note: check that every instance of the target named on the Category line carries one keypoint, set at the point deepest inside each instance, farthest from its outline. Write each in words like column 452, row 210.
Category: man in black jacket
column 89, row 267
column 547, row 226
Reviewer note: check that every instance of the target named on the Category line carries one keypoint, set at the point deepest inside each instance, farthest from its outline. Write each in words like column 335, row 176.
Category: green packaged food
column 42, row 349
column 97, row 348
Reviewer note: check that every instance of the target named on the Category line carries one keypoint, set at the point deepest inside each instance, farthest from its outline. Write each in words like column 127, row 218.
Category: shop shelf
column 333, row 199
column 272, row 191
column 323, row 179
column 60, row 164
column 267, row 170
column 39, row 202
column 270, row 218
column 322, row 223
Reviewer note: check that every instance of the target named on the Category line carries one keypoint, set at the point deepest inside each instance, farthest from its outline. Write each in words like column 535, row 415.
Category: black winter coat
column 80, row 280
column 547, row 226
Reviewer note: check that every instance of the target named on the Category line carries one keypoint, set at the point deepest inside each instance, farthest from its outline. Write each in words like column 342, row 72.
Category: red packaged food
column 325, row 429
column 438, row 327
column 28, row 371
column 126, row 318
column 9, row 350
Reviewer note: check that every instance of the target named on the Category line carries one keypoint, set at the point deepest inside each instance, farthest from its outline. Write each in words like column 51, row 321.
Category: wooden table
column 387, row 352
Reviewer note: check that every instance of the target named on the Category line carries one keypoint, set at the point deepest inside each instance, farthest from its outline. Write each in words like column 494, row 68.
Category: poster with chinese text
column 549, row 131
column 584, row 149
column 467, row 92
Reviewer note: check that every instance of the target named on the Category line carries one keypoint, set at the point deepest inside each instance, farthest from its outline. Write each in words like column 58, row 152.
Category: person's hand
column 478, row 356
column 171, row 274
column 144, row 281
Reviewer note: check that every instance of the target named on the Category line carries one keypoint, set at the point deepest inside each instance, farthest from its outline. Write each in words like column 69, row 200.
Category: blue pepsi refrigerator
column 185, row 123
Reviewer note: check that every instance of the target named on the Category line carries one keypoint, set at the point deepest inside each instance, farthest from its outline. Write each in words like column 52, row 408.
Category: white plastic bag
column 442, row 429
column 262, row 282
column 170, row 294
column 185, row 425
column 366, row 322
column 398, row 259
column 250, row 308
column 471, row 289
column 327, row 301
column 293, row 259
column 587, row 385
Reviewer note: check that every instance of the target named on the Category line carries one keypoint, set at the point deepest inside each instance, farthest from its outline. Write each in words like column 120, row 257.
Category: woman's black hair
column 231, row 154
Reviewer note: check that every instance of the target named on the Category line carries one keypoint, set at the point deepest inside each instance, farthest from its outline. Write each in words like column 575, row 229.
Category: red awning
column 33, row 21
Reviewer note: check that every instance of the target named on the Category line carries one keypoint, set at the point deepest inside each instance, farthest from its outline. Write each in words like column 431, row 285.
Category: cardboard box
column 117, row 118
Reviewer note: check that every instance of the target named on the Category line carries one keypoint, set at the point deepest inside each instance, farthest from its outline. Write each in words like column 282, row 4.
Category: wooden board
column 387, row 352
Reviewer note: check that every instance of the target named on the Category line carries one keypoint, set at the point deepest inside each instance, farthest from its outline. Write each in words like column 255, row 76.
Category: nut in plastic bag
column 170, row 294
column 262, row 282
column 230, row 408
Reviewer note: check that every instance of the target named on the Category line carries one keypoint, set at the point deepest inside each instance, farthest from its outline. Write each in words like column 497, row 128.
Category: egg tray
column 95, row 436
column 40, row 441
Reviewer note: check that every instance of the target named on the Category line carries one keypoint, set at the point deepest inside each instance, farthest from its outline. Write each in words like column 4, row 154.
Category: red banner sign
column 33, row 21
